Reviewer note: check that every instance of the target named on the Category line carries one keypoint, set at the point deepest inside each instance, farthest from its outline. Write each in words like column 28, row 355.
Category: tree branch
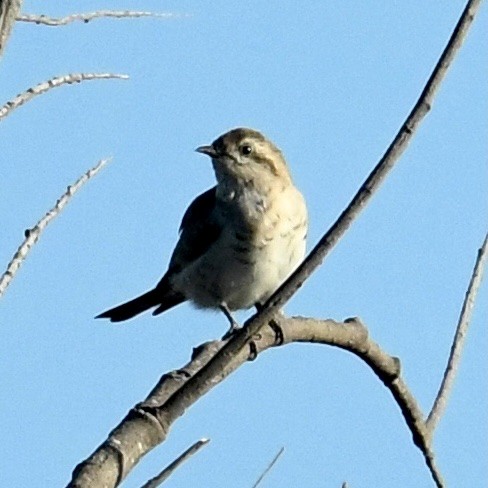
column 458, row 342
column 32, row 235
column 41, row 88
column 170, row 469
column 268, row 468
column 87, row 17
column 148, row 423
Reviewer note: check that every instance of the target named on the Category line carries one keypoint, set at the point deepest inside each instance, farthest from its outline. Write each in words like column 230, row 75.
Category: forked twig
column 32, row 235
column 45, row 86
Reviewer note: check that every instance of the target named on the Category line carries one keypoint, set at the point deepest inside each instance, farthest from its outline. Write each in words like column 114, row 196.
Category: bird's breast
column 261, row 243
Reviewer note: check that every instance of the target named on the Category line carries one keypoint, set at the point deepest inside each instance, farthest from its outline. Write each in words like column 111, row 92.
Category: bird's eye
column 245, row 149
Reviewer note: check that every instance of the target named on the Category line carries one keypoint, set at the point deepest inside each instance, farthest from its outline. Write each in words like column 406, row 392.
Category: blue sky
column 330, row 83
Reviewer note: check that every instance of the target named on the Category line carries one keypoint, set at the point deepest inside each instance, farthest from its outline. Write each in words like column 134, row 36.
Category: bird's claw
column 233, row 323
column 234, row 326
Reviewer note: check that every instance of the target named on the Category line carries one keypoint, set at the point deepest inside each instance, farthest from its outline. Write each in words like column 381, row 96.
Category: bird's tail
column 132, row 308
column 162, row 296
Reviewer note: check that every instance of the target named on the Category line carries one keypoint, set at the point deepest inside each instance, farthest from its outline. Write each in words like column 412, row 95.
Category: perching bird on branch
column 239, row 240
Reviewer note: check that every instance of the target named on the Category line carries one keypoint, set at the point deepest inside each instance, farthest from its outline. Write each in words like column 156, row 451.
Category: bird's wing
column 199, row 229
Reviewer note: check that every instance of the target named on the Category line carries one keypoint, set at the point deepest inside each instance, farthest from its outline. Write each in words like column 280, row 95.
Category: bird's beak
column 208, row 150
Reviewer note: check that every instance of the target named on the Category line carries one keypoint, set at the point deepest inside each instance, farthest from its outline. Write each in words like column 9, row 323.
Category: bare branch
column 386, row 367
column 148, row 423
column 87, row 17
column 458, row 343
column 32, row 235
column 268, row 468
column 9, row 10
column 169, row 470
column 53, row 83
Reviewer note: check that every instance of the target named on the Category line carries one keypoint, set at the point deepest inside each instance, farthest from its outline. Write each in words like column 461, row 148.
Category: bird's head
column 246, row 156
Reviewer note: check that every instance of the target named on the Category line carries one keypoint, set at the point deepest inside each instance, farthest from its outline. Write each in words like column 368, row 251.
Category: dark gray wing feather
column 199, row 229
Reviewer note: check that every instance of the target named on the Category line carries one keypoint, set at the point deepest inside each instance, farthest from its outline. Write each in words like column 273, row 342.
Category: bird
column 239, row 240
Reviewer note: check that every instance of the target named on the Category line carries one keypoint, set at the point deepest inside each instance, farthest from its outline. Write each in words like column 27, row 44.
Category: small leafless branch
column 32, row 235
column 268, row 468
column 458, row 342
column 41, row 88
column 169, row 470
column 88, row 16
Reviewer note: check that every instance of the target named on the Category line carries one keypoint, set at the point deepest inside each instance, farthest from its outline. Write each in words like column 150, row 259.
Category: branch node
column 398, row 367
column 145, row 413
column 179, row 374
column 356, row 322
column 201, row 349
column 253, row 351
column 278, row 332
column 114, row 444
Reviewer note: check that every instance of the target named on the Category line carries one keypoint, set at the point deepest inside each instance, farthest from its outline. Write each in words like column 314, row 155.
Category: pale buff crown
column 246, row 154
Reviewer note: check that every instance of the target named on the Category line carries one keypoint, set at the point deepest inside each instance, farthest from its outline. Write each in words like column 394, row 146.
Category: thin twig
column 169, row 470
column 86, row 17
column 32, row 235
column 41, row 88
column 270, row 465
column 458, row 342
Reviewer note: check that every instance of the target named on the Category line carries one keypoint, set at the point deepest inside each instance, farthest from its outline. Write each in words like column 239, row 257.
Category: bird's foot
column 234, row 325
